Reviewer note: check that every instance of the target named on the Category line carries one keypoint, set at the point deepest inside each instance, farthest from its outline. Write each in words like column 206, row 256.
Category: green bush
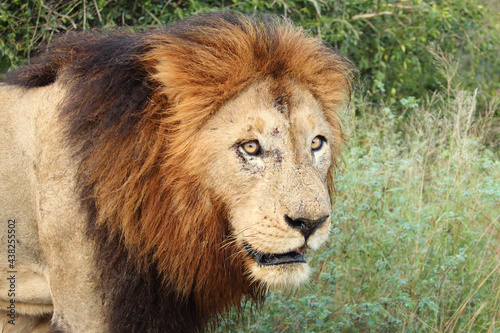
column 387, row 40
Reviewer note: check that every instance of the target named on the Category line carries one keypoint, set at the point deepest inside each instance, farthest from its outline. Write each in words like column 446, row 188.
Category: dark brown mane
column 133, row 104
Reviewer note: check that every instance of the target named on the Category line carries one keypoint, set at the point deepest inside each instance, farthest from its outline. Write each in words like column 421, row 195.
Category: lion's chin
column 285, row 276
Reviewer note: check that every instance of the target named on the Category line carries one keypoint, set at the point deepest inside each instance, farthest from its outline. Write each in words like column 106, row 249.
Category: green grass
column 415, row 243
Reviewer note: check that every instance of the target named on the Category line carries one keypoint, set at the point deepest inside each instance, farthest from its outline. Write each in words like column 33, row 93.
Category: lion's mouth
column 268, row 259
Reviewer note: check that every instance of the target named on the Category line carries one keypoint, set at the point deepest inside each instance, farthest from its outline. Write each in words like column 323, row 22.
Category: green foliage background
column 415, row 243
column 387, row 40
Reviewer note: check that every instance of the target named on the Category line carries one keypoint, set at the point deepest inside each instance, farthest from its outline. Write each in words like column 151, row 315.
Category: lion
column 152, row 182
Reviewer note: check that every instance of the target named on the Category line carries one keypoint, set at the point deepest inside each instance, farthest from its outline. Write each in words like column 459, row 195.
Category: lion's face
column 268, row 161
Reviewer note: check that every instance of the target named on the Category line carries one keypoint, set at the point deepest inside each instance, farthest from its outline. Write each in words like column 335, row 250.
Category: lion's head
column 254, row 121
column 268, row 161
column 206, row 155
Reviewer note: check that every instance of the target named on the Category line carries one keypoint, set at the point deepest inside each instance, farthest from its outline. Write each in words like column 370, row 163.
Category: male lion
column 151, row 181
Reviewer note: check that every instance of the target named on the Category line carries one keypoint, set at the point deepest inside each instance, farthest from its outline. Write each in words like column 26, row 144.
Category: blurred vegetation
column 415, row 244
column 387, row 40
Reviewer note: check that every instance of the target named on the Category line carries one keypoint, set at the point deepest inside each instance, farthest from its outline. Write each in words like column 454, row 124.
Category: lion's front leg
column 72, row 276
column 76, row 296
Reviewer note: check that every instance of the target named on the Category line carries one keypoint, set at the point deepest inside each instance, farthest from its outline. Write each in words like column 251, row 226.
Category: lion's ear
column 42, row 70
column 36, row 75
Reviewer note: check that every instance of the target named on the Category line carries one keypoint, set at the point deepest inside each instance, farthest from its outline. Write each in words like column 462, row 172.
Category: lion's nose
column 306, row 226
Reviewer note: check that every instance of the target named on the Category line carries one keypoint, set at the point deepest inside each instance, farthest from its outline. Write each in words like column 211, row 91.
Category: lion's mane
column 133, row 103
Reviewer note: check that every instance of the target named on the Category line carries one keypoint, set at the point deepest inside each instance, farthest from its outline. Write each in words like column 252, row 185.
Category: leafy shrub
column 387, row 40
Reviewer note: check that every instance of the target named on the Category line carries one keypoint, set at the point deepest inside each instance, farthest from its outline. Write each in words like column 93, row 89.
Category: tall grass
column 415, row 244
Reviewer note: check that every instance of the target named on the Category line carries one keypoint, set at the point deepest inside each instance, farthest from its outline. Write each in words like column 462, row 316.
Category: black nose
column 306, row 226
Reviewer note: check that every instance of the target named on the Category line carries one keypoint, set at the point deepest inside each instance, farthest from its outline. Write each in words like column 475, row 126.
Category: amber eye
column 317, row 143
column 251, row 147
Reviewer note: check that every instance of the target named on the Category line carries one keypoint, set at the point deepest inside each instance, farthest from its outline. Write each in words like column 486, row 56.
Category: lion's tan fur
column 38, row 176
column 162, row 191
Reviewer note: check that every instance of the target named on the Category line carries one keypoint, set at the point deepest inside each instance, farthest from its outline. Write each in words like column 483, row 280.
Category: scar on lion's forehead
column 280, row 103
column 259, row 125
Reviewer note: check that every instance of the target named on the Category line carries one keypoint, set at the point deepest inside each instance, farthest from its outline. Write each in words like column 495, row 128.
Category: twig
column 154, row 17
column 51, row 10
column 367, row 16
column 84, row 14
column 97, row 10
column 316, row 6
column 399, row 6
column 34, row 32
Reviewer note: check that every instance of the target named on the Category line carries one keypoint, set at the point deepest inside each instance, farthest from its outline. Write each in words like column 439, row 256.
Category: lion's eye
column 317, row 143
column 251, row 147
